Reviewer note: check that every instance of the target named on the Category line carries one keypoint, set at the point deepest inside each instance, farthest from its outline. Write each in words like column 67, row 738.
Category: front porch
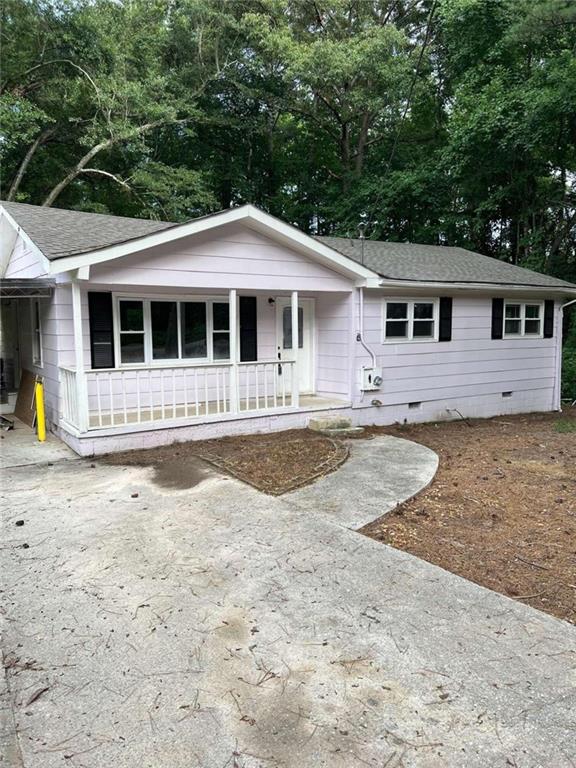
column 155, row 395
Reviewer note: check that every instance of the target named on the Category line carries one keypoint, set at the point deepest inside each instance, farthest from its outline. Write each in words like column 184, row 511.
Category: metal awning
column 18, row 288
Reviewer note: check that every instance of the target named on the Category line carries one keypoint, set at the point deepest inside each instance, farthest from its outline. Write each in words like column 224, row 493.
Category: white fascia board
column 8, row 243
column 250, row 215
column 494, row 288
column 8, row 237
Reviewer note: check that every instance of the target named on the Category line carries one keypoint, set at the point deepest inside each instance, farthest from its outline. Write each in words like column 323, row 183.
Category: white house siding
column 53, row 343
column 468, row 373
column 24, row 262
column 266, row 327
column 334, row 352
column 233, row 256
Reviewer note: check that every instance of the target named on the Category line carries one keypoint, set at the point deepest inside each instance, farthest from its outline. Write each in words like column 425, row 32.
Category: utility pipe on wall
column 360, row 336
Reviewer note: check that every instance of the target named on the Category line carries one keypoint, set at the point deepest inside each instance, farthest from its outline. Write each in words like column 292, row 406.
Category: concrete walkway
column 379, row 475
column 220, row 627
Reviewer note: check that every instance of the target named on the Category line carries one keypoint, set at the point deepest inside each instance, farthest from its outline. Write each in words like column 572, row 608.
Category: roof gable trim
column 248, row 214
column 9, row 224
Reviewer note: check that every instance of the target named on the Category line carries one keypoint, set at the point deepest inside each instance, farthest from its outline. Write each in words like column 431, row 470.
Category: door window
column 287, row 327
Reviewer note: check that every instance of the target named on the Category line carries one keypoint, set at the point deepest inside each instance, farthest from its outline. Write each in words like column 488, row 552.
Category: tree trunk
column 83, row 162
column 362, row 139
column 76, row 171
column 38, row 141
column 345, row 156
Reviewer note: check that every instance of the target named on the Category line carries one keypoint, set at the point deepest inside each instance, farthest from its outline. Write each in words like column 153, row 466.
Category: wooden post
column 295, row 336
column 81, row 387
column 234, row 381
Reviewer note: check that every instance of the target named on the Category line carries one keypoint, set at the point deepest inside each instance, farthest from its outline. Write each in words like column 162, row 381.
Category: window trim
column 410, row 339
column 149, row 361
column 36, row 334
column 523, row 303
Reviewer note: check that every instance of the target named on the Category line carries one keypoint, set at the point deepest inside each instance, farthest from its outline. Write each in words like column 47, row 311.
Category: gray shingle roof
column 438, row 263
column 59, row 233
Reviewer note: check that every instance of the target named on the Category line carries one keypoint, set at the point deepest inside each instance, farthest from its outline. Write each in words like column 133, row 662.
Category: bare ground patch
column 274, row 463
column 502, row 508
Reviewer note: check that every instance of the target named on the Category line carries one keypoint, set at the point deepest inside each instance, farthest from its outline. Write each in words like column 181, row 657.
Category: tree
column 442, row 121
column 97, row 78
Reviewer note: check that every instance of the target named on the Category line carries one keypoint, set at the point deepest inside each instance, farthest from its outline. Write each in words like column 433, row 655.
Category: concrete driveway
column 146, row 627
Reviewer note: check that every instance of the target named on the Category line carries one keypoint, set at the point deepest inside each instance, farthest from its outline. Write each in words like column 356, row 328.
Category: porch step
column 331, row 422
column 335, row 427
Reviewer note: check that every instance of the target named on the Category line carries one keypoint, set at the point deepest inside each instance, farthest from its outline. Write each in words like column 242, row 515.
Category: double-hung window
column 410, row 320
column 131, row 314
column 523, row 318
column 153, row 331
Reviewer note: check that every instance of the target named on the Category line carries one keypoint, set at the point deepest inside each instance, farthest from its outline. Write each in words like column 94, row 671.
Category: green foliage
column 21, row 121
column 172, row 193
column 565, row 426
column 445, row 122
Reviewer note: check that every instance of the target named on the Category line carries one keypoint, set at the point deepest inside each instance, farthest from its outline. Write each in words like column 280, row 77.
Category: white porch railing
column 144, row 394
column 68, row 395
column 266, row 385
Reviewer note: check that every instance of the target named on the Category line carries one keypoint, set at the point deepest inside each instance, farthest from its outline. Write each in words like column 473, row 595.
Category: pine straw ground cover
column 502, row 508
column 274, row 463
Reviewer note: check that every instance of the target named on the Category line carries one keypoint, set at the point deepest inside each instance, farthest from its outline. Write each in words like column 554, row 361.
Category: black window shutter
column 497, row 318
column 101, row 329
column 248, row 329
column 548, row 319
column 445, row 329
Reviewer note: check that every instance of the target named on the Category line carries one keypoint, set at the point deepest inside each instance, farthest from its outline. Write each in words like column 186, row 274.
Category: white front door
column 305, row 351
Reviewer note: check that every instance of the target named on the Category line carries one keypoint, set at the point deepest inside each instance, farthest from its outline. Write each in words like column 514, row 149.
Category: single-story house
column 148, row 332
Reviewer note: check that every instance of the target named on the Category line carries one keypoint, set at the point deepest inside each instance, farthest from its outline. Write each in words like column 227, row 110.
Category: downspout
column 558, row 383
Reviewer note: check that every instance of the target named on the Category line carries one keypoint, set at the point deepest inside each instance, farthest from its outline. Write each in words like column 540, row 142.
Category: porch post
column 295, row 337
column 233, row 309
column 81, row 385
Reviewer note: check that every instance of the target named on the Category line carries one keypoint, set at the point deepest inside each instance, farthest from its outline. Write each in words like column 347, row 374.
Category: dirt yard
column 274, row 463
column 501, row 510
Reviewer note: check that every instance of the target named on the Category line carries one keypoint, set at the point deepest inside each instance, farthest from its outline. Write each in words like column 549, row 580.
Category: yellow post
column 40, row 415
